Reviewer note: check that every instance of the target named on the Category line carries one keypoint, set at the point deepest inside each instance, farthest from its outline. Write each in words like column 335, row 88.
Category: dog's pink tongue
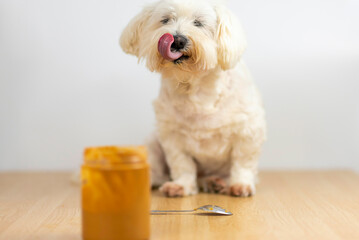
column 164, row 47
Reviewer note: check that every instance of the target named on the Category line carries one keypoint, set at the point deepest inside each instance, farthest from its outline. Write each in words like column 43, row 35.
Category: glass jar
column 115, row 193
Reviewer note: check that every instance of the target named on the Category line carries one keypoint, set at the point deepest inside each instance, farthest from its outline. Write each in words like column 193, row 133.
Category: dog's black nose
column 179, row 43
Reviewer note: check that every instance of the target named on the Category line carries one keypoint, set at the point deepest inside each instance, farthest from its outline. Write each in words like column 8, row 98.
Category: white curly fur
column 210, row 119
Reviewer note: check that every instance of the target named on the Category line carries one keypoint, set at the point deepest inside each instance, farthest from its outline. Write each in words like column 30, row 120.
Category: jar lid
column 111, row 156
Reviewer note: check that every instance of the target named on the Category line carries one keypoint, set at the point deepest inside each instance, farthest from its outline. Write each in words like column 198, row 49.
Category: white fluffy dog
column 210, row 119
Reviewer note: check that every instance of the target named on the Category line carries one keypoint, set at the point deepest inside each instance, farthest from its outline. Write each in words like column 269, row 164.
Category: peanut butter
column 115, row 193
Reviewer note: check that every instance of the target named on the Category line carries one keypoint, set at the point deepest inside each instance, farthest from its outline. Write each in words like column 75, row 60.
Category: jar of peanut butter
column 115, row 194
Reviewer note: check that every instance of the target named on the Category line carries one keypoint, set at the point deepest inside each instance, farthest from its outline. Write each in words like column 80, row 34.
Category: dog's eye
column 165, row 20
column 197, row 23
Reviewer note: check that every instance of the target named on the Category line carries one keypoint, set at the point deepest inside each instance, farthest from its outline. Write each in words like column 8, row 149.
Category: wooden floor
column 288, row 205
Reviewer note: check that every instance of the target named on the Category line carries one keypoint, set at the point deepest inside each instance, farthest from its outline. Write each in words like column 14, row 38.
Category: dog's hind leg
column 157, row 161
column 214, row 184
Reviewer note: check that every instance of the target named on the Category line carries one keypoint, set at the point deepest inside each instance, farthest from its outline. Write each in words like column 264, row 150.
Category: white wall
column 66, row 84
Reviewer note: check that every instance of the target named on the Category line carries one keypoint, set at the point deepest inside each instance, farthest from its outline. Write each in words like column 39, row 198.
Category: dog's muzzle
column 179, row 43
column 170, row 46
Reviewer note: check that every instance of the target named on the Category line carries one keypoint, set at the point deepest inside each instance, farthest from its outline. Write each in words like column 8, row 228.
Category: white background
column 66, row 84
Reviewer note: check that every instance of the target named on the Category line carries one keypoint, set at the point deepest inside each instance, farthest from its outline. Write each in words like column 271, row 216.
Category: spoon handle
column 169, row 211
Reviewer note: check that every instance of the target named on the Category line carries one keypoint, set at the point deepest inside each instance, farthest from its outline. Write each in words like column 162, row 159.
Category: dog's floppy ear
column 230, row 38
column 130, row 37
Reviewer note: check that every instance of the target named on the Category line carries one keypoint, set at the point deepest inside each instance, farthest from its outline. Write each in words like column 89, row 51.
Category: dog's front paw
column 171, row 189
column 178, row 189
column 242, row 190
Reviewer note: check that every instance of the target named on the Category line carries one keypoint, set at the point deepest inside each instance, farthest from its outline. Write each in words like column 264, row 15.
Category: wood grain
column 288, row 205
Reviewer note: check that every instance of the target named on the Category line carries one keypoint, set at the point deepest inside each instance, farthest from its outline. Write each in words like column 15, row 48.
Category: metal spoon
column 206, row 209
